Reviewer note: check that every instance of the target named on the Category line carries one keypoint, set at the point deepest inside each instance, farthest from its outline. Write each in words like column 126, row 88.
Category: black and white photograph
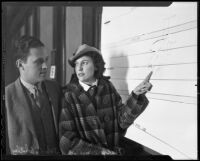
column 108, row 80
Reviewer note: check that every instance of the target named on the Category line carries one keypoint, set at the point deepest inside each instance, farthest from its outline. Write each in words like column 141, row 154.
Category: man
column 32, row 103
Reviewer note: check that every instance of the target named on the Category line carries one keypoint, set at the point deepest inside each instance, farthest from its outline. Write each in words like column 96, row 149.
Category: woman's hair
column 24, row 44
column 98, row 63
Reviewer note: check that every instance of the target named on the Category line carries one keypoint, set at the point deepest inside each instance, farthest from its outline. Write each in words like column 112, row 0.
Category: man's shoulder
column 10, row 87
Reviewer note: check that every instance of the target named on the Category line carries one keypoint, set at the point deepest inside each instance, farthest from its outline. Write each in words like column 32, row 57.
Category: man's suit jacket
column 20, row 129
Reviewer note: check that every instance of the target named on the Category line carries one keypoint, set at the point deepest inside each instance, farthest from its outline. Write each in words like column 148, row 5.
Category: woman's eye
column 85, row 63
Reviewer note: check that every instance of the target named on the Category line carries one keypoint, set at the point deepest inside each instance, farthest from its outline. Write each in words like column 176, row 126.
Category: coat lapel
column 24, row 108
column 53, row 99
column 85, row 100
column 100, row 88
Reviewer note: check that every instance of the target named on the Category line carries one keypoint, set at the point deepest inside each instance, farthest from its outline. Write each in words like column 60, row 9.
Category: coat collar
column 78, row 88
column 30, row 87
column 86, row 86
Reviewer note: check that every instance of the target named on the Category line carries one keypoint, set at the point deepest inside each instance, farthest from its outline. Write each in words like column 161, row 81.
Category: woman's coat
column 85, row 130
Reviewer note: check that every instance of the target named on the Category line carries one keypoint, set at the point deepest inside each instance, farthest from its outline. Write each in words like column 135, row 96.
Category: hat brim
column 72, row 59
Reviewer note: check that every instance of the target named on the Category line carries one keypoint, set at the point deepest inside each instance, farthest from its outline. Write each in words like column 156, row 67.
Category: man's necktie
column 38, row 97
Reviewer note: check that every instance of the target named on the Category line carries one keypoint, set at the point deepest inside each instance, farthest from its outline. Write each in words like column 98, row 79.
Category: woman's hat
column 81, row 51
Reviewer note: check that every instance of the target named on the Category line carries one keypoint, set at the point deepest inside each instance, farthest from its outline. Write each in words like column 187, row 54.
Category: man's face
column 34, row 69
column 84, row 68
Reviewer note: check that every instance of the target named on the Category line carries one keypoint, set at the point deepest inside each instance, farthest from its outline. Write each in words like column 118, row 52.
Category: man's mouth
column 43, row 73
column 81, row 74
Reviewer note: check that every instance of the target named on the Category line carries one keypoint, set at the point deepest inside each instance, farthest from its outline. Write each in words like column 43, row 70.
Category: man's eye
column 40, row 61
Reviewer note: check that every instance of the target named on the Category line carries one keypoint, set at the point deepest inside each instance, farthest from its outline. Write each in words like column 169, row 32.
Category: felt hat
column 81, row 51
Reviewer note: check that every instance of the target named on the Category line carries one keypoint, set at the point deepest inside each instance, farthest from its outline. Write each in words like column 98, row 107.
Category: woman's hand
column 144, row 87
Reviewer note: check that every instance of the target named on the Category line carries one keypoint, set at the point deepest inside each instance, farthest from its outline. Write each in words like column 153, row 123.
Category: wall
column 137, row 40
column 14, row 24
column 71, row 40
column 46, row 30
column 73, row 35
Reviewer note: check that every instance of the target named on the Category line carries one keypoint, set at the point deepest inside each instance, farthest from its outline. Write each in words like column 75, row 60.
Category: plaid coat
column 85, row 130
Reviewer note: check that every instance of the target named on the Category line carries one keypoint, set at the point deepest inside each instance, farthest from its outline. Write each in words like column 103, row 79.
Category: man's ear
column 19, row 63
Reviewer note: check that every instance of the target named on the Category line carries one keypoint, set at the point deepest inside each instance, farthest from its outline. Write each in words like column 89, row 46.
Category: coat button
column 106, row 118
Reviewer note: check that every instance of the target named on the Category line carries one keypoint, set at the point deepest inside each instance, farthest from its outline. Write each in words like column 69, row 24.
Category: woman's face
column 84, row 68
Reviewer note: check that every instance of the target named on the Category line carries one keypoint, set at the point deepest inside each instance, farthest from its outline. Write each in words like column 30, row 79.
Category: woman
column 94, row 118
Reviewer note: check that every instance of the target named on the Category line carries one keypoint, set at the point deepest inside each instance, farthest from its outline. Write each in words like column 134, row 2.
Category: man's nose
column 44, row 65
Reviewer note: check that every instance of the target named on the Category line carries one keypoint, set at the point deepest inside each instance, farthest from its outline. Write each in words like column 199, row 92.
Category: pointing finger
column 148, row 77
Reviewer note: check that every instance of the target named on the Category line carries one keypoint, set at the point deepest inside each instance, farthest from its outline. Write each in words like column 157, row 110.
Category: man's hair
column 23, row 46
column 98, row 63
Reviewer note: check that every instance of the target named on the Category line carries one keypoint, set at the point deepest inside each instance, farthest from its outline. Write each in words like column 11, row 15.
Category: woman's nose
column 80, row 68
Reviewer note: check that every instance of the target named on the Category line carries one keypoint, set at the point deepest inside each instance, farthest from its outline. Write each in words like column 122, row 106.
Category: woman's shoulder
column 106, row 81
column 70, row 87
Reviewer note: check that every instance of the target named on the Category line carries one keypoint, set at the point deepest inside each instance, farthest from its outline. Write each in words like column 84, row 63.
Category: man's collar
column 86, row 86
column 29, row 86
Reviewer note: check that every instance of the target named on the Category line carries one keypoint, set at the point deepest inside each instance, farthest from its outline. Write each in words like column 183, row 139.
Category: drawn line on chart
column 162, row 94
column 137, row 39
column 182, row 24
column 172, row 101
column 130, row 41
column 126, row 95
column 154, row 79
column 112, row 44
column 149, row 33
column 149, row 52
column 118, row 16
column 141, row 66
column 172, row 94
column 144, row 130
